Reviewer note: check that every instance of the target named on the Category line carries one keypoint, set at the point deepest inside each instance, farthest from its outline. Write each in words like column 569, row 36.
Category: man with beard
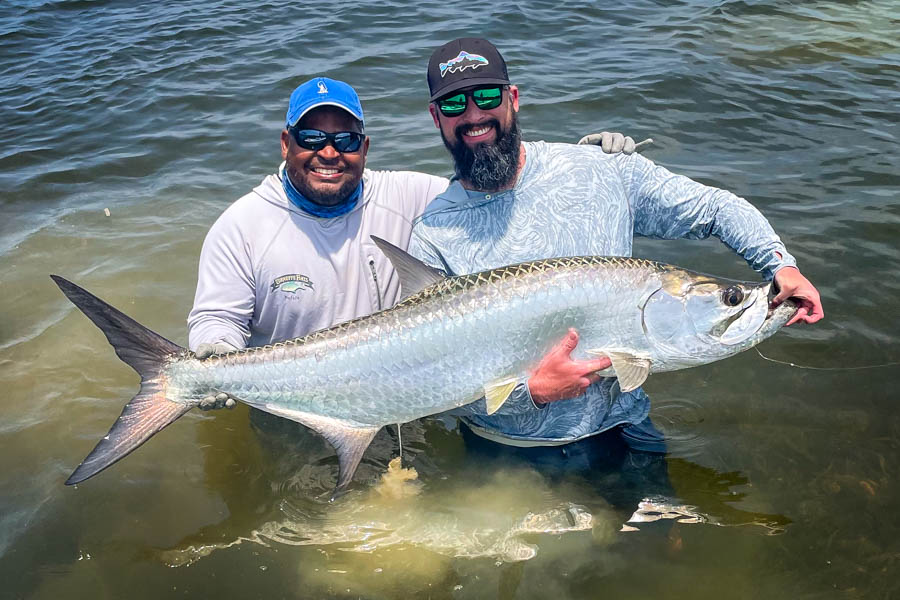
column 516, row 201
column 295, row 255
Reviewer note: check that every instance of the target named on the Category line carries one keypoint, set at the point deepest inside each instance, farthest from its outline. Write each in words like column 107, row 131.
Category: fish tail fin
column 144, row 351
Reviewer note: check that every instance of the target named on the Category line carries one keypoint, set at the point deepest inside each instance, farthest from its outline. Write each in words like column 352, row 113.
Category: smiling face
column 485, row 144
column 325, row 176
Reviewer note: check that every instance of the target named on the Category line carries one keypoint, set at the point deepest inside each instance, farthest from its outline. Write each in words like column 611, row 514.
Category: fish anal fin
column 414, row 275
column 349, row 442
column 496, row 393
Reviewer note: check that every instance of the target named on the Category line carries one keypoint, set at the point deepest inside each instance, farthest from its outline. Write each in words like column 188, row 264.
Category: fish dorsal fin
column 631, row 370
column 415, row 275
column 496, row 393
column 349, row 442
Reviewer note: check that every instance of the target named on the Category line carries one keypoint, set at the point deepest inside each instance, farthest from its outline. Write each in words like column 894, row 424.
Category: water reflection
column 441, row 501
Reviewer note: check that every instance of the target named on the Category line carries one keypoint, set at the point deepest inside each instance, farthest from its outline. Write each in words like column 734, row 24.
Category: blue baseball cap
column 323, row 91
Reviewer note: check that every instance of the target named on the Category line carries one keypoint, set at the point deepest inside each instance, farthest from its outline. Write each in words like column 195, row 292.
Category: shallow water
column 784, row 478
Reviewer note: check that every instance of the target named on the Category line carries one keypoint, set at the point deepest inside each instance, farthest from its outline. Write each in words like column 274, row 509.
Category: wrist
column 538, row 403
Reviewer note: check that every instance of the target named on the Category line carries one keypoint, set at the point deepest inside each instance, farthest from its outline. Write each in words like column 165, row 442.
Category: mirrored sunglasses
column 314, row 139
column 485, row 98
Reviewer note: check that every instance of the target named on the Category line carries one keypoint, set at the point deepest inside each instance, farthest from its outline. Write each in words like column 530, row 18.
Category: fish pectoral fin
column 414, row 275
column 496, row 393
column 349, row 442
column 631, row 370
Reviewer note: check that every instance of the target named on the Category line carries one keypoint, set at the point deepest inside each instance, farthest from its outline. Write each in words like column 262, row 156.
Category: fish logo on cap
column 322, row 88
column 463, row 61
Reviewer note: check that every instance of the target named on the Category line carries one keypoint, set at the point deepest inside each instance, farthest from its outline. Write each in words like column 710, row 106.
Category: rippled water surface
column 785, row 478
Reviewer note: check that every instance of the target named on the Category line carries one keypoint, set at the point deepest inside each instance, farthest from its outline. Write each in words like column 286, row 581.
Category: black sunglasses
column 485, row 98
column 314, row 139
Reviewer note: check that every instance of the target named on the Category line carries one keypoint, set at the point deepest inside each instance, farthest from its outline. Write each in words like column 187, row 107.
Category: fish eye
column 733, row 296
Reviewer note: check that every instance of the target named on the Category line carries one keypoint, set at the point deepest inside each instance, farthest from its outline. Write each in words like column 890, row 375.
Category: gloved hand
column 220, row 400
column 611, row 143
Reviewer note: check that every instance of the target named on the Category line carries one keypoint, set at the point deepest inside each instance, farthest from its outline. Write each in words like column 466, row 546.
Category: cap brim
column 464, row 83
column 327, row 103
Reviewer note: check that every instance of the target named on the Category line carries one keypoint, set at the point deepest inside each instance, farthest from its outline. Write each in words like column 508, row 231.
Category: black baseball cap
column 462, row 63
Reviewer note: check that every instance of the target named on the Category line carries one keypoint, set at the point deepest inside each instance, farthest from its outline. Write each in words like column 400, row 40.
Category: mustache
column 460, row 129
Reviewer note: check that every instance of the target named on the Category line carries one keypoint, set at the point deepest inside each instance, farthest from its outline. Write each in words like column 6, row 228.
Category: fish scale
column 449, row 342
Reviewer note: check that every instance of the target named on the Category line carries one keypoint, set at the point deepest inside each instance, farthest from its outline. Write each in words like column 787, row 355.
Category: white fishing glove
column 611, row 143
column 220, row 400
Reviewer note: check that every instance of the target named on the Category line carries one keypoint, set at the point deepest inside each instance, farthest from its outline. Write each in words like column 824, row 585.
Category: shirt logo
column 463, row 61
column 322, row 88
column 292, row 283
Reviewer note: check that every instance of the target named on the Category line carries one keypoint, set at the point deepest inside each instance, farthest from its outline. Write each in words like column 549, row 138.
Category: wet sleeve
column 225, row 297
column 670, row 206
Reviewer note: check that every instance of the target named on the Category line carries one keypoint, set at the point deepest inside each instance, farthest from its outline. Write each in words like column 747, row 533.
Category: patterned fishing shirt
column 574, row 200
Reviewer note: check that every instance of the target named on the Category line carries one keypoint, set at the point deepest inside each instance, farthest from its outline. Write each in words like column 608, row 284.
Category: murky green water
column 785, row 478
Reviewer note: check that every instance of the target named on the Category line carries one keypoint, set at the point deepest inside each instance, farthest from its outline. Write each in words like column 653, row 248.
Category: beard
column 488, row 167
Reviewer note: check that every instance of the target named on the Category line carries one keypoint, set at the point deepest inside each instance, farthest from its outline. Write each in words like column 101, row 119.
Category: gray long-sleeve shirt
column 571, row 201
column 271, row 272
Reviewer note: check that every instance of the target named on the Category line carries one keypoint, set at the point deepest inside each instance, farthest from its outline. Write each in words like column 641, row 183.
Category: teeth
column 326, row 171
column 477, row 132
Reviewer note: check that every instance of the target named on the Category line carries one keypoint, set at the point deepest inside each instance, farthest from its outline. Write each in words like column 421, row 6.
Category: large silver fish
column 449, row 342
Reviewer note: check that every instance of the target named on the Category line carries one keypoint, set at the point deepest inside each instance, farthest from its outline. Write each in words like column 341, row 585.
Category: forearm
column 207, row 328
column 225, row 297
column 672, row 206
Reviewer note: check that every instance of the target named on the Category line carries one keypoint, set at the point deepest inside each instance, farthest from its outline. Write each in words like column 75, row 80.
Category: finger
column 591, row 138
column 629, row 146
column 618, row 143
column 221, row 398
column 207, row 403
column 594, row 364
column 585, row 382
column 230, row 403
column 817, row 313
column 780, row 297
column 606, row 141
column 800, row 314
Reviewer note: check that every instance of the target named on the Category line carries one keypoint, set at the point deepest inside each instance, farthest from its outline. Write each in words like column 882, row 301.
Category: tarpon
column 450, row 341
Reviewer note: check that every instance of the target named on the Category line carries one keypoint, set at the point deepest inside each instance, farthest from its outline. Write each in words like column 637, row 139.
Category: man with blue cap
column 295, row 255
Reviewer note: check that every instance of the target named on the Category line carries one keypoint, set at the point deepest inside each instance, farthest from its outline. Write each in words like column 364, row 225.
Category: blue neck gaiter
column 317, row 210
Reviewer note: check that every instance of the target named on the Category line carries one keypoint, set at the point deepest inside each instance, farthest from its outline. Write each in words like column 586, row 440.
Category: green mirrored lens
column 453, row 105
column 487, row 98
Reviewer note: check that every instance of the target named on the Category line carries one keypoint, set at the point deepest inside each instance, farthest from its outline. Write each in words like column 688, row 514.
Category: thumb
column 567, row 345
column 782, row 295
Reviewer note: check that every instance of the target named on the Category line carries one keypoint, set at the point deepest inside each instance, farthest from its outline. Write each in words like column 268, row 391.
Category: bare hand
column 558, row 377
column 792, row 284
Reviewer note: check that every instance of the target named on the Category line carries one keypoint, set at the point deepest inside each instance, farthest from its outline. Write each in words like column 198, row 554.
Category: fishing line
column 790, row 364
